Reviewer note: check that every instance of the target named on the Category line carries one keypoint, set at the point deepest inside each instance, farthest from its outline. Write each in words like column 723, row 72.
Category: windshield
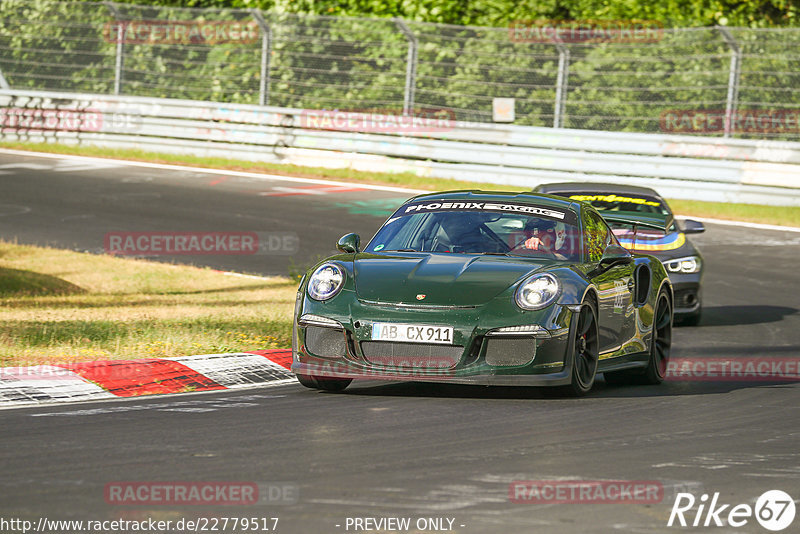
column 480, row 231
column 623, row 202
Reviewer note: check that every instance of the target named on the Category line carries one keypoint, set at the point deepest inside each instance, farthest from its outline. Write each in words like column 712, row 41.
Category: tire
column 325, row 384
column 585, row 351
column 660, row 342
column 658, row 357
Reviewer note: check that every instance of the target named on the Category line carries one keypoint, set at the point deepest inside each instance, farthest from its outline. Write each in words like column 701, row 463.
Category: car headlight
column 326, row 281
column 537, row 292
column 690, row 264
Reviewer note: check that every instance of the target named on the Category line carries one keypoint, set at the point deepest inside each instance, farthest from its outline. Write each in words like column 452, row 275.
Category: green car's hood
column 445, row 279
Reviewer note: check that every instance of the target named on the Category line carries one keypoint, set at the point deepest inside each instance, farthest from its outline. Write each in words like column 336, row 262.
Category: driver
column 548, row 236
column 464, row 232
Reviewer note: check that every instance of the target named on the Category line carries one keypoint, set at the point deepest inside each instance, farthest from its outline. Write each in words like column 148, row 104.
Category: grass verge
column 59, row 306
column 780, row 215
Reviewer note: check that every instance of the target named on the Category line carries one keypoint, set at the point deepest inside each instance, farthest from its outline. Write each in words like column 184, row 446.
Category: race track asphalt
column 399, row 450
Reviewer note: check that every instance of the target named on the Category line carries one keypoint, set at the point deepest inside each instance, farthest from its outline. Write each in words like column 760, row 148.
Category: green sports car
column 485, row 288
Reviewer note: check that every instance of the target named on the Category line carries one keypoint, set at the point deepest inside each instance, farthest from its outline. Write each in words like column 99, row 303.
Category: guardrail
column 703, row 168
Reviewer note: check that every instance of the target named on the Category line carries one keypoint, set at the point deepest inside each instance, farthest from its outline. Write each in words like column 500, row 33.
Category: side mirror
column 349, row 243
column 692, row 227
column 615, row 254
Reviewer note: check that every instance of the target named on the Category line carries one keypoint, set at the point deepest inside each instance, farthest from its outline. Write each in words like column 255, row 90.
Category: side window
column 596, row 235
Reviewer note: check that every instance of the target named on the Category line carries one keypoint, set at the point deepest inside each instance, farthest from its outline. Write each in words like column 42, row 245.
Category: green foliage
column 322, row 59
column 673, row 13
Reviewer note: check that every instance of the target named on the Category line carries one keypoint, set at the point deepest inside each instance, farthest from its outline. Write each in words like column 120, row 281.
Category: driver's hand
column 533, row 243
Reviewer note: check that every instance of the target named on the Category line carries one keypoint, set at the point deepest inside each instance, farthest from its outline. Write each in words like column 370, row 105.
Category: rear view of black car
column 656, row 233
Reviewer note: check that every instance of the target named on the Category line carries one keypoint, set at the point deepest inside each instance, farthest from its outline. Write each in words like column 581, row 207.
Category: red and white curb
column 71, row 382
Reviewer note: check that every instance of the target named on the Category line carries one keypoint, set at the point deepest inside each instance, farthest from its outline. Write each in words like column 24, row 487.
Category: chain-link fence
column 713, row 81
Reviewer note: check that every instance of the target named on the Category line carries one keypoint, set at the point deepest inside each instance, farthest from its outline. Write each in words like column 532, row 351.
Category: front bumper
column 688, row 293
column 478, row 354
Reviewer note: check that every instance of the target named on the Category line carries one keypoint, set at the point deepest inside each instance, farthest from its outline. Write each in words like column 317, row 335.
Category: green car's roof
column 550, row 201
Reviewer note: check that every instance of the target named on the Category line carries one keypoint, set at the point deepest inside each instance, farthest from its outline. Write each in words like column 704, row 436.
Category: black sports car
column 657, row 233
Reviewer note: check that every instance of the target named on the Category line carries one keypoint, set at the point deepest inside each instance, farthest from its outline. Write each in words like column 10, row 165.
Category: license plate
column 412, row 333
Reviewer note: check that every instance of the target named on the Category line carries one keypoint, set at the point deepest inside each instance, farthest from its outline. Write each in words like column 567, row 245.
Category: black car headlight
column 326, row 281
column 689, row 264
column 537, row 291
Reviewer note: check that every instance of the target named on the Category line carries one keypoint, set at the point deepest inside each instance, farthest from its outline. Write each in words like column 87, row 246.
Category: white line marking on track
column 204, row 170
column 299, row 180
column 30, row 166
column 10, row 209
column 77, row 166
column 197, row 405
column 280, row 191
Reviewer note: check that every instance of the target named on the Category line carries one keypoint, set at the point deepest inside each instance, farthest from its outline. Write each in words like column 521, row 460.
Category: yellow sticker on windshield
column 615, row 198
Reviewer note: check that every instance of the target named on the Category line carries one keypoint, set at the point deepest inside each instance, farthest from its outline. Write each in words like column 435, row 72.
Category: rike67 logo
column 774, row 510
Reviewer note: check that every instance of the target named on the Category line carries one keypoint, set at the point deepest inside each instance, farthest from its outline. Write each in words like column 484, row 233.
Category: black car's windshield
column 621, row 202
column 480, row 231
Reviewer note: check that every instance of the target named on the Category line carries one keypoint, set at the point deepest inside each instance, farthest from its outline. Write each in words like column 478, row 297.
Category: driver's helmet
column 456, row 223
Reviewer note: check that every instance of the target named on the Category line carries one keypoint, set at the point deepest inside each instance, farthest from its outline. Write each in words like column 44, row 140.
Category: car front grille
column 411, row 355
column 685, row 298
column 510, row 351
column 325, row 342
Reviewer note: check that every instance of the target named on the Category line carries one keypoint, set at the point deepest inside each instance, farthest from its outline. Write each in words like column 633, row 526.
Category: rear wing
column 637, row 219
column 641, row 237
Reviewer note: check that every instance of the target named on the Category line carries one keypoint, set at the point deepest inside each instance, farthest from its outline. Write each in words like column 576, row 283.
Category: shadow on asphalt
column 600, row 390
column 744, row 315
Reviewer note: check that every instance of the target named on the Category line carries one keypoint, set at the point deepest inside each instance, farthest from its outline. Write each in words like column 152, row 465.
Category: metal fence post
column 561, row 84
column 3, row 82
column 266, row 52
column 733, row 79
column 411, row 66
column 120, row 44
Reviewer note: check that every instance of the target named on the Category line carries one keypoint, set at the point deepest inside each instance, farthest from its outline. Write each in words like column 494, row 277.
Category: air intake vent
column 411, row 355
column 325, row 342
column 642, row 284
column 510, row 352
